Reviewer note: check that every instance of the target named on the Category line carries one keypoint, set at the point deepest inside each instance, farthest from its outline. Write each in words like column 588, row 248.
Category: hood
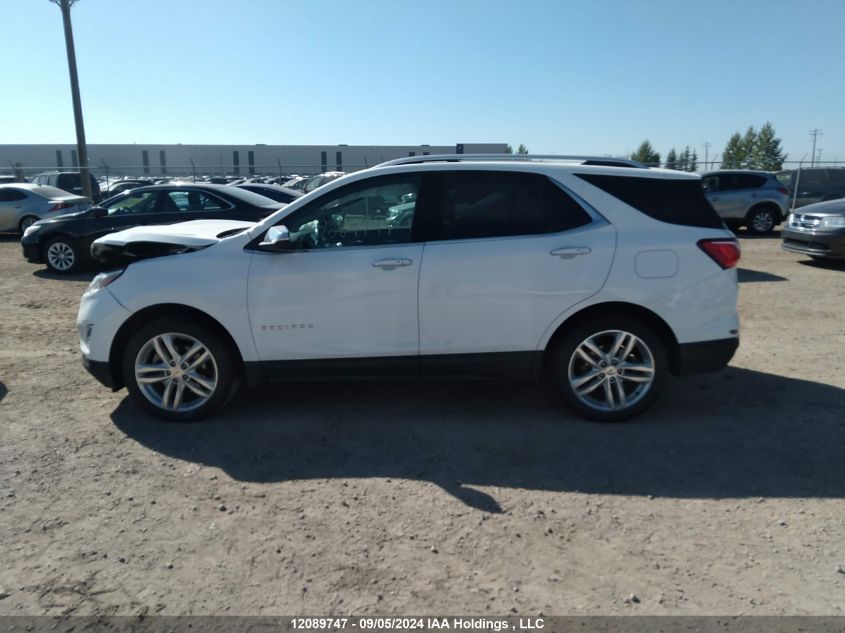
column 830, row 207
column 143, row 242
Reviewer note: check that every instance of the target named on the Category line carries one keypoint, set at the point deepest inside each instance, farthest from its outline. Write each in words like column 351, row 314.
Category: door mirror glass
column 99, row 212
column 277, row 238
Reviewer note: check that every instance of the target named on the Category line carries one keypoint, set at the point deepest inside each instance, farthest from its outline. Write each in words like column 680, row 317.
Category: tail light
column 61, row 205
column 724, row 252
column 783, row 190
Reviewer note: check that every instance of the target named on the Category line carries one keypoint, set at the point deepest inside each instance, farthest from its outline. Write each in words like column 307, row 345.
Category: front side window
column 357, row 215
column 135, row 202
column 479, row 204
column 710, row 183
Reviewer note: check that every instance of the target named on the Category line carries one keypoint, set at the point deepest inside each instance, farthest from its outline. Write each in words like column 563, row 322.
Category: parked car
column 320, row 179
column 815, row 184
column 754, row 199
column 64, row 243
column 23, row 204
column 274, row 192
column 69, row 181
column 818, row 230
column 119, row 186
column 606, row 277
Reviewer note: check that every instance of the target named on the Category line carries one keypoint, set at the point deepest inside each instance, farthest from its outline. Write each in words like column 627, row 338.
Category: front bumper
column 816, row 243
column 101, row 370
column 705, row 356
column 31, row 252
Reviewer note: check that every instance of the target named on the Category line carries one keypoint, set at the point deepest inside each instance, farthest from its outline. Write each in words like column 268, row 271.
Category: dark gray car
column 753, row 199
column 817, row 230
column 815, row 184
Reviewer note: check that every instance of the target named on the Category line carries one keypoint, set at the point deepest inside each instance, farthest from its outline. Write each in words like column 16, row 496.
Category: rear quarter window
column 676, row 201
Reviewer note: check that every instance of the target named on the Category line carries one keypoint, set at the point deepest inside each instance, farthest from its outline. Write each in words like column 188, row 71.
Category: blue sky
column 560, row 76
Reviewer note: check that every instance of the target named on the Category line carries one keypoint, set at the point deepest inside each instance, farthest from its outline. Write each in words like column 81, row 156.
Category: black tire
column 222, row 367
column 25, row 222
column 63, row 255
column 568, row 365
column 762, row 220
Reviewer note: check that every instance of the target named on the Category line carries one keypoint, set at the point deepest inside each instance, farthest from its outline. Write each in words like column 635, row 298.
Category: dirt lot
column 726, row 498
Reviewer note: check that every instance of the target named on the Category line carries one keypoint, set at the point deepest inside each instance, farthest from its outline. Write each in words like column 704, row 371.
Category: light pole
column 797, row 181
column 81, row 147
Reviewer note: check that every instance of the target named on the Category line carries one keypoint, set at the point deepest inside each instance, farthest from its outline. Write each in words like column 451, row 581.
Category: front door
column 346, row 290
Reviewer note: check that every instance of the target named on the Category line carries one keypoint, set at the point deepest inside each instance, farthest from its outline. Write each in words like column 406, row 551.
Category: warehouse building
column 232, row 160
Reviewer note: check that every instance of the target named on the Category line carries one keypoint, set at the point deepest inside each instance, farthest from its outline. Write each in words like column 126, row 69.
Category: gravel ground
column 471, row 498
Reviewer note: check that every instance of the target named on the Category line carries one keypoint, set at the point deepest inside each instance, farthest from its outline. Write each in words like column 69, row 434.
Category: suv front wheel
column 610, row 369
column 179, row 370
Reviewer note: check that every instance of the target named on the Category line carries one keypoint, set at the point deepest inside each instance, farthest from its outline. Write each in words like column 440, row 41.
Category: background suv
column 605, row 277
column 69, row 181
column 754, row 199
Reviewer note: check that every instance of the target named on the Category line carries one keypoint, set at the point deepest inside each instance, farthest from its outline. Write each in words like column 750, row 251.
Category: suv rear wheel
column 179, row 370
column 611, row 369
column 761, row 220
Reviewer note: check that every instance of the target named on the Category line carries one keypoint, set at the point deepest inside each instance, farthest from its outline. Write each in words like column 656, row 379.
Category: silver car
column 23, row 204
column 754, row 199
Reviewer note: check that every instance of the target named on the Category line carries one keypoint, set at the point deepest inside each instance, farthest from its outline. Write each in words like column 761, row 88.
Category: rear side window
column 478, row 204
column 836, row 176
column 735, row 182
column 669, row 200
column 10, row 195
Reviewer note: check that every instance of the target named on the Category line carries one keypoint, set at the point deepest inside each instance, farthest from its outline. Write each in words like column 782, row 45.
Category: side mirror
column 98, row 212
column 276, row 239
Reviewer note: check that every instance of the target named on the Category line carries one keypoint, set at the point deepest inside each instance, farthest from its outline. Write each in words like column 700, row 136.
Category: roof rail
column 606, row 161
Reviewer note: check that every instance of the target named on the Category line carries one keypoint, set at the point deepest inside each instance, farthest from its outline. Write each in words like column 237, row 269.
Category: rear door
column 508, row 253
column 11, row 203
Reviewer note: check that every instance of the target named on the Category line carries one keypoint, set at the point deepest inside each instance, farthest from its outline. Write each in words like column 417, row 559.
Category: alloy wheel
column 176, row 372
column 611, row 370
column 60, row 256
column 763, row 222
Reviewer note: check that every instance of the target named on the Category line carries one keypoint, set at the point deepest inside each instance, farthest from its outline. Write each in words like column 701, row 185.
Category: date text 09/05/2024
column 419, row 624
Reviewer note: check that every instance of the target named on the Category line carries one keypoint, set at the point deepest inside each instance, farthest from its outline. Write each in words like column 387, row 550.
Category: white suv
column 601, row 273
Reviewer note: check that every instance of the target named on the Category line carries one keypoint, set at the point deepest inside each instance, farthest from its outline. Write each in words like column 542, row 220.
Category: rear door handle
column 568, row 252
column 391, row 263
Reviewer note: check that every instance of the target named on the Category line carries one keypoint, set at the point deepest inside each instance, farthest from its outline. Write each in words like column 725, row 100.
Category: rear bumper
column 828, row 244
column 705, row 356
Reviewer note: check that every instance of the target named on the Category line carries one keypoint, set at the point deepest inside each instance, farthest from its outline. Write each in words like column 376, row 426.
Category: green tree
column 646, row 155
column 521, row 149
column 693, row 162
column 749, row 146
column 732, row 155
column 767, row 153
column 508, row 149
column 684, row 159
column 672, row 159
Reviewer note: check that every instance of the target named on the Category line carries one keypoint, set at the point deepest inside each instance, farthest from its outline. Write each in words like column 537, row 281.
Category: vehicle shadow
column 744, row 233
column 826, row 264
column 44, row 273
column 746, row 275
column 735, row 433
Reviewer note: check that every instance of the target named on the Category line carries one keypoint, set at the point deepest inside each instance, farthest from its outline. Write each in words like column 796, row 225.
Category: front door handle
column 391, row 263
column 568, row 252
